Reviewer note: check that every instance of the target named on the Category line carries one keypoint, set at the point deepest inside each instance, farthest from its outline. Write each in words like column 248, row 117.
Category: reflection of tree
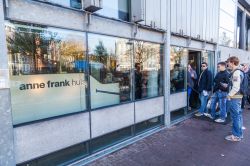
column 146, row 52
column 31, row 44
column 72, row 49
column 140, row 51
column 101, row 53
column 23, row 43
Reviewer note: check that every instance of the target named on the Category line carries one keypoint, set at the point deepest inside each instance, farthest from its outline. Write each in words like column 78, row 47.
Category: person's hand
column 205, row 93
column 224, row 85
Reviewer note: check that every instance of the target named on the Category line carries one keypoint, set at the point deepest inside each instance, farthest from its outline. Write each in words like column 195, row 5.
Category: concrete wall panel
column 106, row 120
column 148, row 109
column 41, row 138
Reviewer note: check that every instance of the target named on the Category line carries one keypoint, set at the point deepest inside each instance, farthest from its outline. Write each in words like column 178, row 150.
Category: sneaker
column 209, row 116
column 220, row 120
column 232, row 138
column 199, row 114
column 243, row 128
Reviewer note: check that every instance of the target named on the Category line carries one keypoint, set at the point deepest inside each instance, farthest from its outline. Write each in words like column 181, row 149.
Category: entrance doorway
column 193, row 72
column 195, row 58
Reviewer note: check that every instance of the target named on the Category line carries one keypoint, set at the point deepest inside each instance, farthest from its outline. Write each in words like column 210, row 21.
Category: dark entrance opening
column 194, row 70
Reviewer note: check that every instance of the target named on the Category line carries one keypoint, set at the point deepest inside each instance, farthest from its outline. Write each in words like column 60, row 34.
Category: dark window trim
column 47, row 154
column 161, row 123
column 172, row 93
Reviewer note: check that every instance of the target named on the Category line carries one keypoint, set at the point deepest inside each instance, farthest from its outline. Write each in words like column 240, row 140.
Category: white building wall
column 195, row 18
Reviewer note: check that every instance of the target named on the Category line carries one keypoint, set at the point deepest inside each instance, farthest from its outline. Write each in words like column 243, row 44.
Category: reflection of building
column 21, row 64
column 123, row 63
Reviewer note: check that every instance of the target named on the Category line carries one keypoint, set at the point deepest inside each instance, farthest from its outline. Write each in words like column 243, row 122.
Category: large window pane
column 226, row 38
column 248, row 33
column 239, row 29
column 110, row 70
column 118, row 9
column 46, row 71
column 228, row 6
column 67, row 3
column 226, row 21
column 148, row 70
column 178, row 65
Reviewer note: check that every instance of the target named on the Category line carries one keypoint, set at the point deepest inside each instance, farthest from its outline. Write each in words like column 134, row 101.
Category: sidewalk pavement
column 193, row 142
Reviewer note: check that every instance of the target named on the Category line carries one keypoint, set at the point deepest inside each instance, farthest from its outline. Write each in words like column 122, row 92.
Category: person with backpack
column 244, row 69
column 235, row 95
column 248, row 89
column 220, row 93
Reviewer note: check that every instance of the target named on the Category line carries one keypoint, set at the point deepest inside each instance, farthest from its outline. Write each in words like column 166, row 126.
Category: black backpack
column 248, row 77
column 243, row 83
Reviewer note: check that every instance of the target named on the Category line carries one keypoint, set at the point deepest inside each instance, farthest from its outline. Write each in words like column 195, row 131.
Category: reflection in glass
column 77, row 4
column 110, row 69
column 226, row 21
column 239, row 29
column 118, row 9
column 228, row 6
column 248, row 33
column 148, row 70
column 40, row 60
column 178, row 65
column 208, row 57
column 226, row 38
column 37, row 50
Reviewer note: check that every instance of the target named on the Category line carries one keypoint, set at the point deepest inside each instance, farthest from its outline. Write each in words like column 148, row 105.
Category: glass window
column 46, row 71
column 248, row 33
column 208, row 57
column 148, row 70
column 178, row 65
column 67, row 3
column 118, row 9
column 226, row 21
column 110, row 70
column 228, row 6
column 226, row 38
column 76, row 4
column 239, row 29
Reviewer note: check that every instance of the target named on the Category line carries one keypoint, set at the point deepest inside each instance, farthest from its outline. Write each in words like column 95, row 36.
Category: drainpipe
column 167, row 68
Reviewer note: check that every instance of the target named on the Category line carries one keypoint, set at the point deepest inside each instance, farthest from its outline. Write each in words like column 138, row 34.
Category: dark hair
column 204, row 63
column 222, row 64
column 137, row 64
column 177, row 65
column 235, row 60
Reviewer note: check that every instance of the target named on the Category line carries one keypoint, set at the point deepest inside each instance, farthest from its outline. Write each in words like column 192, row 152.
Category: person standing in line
column 244, row 69
column 191, row 77
column 234, row 98
column 138, row 81
column 220, row 92
column 204, row 88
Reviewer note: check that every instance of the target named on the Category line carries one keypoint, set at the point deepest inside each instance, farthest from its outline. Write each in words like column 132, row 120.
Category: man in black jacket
column 220, row 92
column 204, row 87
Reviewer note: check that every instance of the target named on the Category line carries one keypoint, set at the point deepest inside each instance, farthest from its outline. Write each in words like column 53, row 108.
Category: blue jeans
column 236, row 115
column 203, row 107
column 220, row 97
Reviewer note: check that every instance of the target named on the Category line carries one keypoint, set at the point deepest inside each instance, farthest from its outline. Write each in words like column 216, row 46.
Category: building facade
column 80, row 76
